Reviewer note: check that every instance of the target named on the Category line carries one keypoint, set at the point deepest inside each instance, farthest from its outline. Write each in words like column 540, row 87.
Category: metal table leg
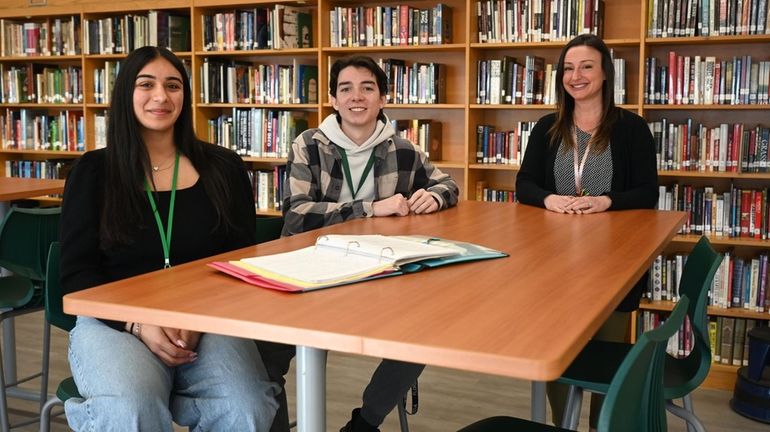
column 538, row 401
column 311, row 389
column 9, row 332
column 9, row 350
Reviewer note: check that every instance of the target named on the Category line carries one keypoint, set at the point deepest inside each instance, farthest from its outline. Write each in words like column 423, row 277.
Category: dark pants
column 277, row 358
column 388, row 385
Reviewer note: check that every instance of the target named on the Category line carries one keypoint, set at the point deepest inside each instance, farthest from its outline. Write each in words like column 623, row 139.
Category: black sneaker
column 358, row 424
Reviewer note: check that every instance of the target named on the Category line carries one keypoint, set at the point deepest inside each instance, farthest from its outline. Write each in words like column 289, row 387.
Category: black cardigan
column 84, row 264
column 634, row 179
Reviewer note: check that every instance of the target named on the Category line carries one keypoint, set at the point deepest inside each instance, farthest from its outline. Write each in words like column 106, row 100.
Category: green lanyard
column 348, row 177
column 165, row 235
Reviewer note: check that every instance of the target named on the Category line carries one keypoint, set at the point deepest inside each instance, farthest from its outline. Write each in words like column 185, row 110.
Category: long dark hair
column 565, row 103
column 363, row 62
column 127, row 162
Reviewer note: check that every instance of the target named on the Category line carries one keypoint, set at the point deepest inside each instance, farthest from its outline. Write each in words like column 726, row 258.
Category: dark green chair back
column 683, row 375
column 635, row 401
column 54, row 309
column 269, row 228
column 25, row 237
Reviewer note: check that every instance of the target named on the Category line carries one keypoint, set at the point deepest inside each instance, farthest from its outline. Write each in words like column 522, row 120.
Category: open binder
column 343, row 259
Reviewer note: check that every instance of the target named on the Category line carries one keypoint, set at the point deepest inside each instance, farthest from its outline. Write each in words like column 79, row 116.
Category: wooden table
column 13, row 188
column 525, row 316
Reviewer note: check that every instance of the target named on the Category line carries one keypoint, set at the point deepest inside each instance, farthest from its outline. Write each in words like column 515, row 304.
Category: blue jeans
column 125, row 387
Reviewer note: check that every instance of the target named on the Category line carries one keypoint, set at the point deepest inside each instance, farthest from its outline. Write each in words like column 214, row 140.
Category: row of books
column 257, row 132
column 415, row 83
column 51, row 37
column 40, row 169
column 508, row 81
column 486, row 193
column 122, row 34
column 742, row 283
column 502, row 147
column 364, row 26
column 104, row 81
column 26, row 129
column 737, row 213
column 729, row 340
column 40, row 83
column 268, row 187
column 537, row 20
column 690, row 146
column 683, row 18
column 227, row 81
column 277, row 27
column 685, row 80
column 424, row 133
column 680, row 344
column 728, row 336
column 739, row 283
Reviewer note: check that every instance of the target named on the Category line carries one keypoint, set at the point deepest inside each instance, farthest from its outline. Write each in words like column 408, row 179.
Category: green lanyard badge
column 165, row 234
column 348, row 177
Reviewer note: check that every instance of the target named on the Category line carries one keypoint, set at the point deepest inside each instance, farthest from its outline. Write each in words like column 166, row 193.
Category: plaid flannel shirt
column 315, row 179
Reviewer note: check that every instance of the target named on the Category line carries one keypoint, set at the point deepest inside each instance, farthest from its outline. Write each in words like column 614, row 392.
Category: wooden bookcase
column 624, row 32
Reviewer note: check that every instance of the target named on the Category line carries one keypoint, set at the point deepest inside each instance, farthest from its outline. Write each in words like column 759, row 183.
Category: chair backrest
column 54, row 310
column 25, row 237
column 635, row 401
column 269, row 228
column 689, row 372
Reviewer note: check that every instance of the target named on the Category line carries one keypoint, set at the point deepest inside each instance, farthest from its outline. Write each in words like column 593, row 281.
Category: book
column 286, row 27
column 344, row 259
column 178, row 33
column 739, row 335
column 726, row 350
column 304, row 30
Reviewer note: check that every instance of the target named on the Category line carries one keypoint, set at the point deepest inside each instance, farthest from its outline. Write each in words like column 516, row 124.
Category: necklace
column 156, row 168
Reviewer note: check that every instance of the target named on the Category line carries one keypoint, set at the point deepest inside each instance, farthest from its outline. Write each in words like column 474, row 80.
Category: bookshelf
column 625, row 32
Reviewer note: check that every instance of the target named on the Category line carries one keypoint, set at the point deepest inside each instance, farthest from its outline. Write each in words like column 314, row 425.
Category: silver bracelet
column 136, row 330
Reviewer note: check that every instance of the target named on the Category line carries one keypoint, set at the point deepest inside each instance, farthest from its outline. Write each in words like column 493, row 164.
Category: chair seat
column 596, row 365
column 678, row 376
column 67, row 389
column 508, row 424
column 15, row 291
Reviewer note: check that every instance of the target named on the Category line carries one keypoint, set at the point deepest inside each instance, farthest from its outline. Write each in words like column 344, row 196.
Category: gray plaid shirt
column 315, row 179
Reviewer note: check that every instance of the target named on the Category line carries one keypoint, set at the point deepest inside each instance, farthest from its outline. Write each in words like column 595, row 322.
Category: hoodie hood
column 331, row 128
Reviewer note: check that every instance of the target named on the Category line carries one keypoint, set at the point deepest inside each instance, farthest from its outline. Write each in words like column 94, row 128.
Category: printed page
column 391, row 249
column 316, row 265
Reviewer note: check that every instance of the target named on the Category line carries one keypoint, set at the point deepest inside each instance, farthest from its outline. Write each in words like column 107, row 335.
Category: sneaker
column 358, row 424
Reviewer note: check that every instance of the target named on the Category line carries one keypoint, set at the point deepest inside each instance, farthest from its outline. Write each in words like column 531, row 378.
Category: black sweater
column 634, row 180
column 85, row 264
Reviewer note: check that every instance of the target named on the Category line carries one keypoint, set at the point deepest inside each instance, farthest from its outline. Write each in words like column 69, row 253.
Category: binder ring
column 347, row 250
column 320, row 239
column 382, row 252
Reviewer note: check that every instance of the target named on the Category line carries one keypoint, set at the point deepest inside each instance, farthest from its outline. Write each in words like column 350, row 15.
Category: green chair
column 25, row 236
column 634, row 401
column 54, row 314
column 594, row 367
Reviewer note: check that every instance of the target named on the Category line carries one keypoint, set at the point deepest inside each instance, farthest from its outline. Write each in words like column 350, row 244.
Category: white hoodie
column 358, row 155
